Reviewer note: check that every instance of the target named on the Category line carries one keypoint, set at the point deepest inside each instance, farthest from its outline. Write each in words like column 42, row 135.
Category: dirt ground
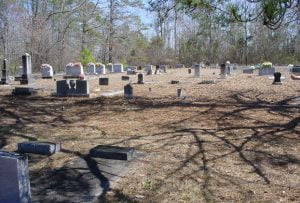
column 233, row 141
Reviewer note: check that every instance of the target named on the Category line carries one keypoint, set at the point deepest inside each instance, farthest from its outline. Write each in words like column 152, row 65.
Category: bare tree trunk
column 111, row 32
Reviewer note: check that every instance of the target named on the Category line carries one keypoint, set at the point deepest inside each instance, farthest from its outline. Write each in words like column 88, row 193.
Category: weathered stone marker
column 179, row 92
column 140, row 78
column 103, row 81
column 113, row 152
column 14, row 178
column 118, row 68
column 45, row 148
column 266, row 71
column 23, row 91
column 100, row 69
column 128, row 91
column 223, row 70
column 156, row 70
column 277, row 78
column 26, row 76
column 91, row 69
column 248, row 70
column 190, row 71
column 46, row 71
column 197, row 70
column 4, row 78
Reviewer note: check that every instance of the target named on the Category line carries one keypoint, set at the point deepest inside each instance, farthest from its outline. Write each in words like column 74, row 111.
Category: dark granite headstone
column 4, row 78
column 140, row 78
column 112, row 152
column 23, row 91
column 82, row 87
column 277, row 78
column 26, row 63
column 62, row 87
column 103, row 81
column 139, row 68
column 128, row 91
column 45, row 148
column 223, row 69
column 190, row 71
column 14, row 178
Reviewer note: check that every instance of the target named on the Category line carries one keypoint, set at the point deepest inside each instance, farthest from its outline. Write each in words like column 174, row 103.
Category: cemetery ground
column 233, row 141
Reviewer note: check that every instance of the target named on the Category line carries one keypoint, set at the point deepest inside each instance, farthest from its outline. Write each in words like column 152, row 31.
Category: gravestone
column 131, row 70
column 223, row 70
column 103, row 81
column 82, row 88
column 128, row 91
column 173, row 82
column 46, row 71
column 14, row 178
column 179, row 66
column 118, row 68
column 296, row 70
column 110, row 68
column 248, row 70
column 100, row 69
column 197, row 70
column 266, row 71
column 229, row 69
column 24, row 91
column 26, row 76
column 156, row 70
column 139, row 68
column 74, row 70
column 277, row 78
column 125, row 78
column 91, row 69
column 149, row 69
column 163, row 68
column 179, row 92
column 72, row 88
column 113, row 152
column 62, row 87
column 45, row 148
column 5, row 74
column 190, row 71
column 140, row 78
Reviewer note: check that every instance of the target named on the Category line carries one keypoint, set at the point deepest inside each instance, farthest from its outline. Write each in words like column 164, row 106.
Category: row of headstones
column 225, row 69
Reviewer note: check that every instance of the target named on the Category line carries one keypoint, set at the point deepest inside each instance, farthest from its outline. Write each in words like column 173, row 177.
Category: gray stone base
column 112, row 152
column 45, row 148
column 24, row 91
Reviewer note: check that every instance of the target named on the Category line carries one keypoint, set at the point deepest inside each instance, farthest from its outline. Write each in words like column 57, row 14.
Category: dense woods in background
column 182, row 31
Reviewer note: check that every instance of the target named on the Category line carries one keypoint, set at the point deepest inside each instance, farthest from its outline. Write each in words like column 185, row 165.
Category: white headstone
column 110, row 68
column 91, row 68
column 75, row 69
column 118, row 68
column 46, row 70
column 100, row 69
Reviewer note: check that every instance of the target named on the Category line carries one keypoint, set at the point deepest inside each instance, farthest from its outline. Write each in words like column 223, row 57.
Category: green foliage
column 86, row 56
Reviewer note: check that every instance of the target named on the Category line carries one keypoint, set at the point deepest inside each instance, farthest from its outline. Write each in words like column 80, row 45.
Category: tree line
column 183, row 31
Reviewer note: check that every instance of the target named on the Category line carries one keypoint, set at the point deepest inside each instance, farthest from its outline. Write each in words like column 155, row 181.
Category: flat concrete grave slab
column 85, row 179
column 112, row 152
column 45, row 148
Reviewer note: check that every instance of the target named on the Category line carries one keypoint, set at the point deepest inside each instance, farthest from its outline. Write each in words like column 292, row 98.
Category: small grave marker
column 45, row 148
column 113, row 152
column 128, row 91
column 103, row 81
column 140, row 78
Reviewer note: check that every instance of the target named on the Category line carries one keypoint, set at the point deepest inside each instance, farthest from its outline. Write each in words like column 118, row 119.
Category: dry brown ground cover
column 234, row 141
